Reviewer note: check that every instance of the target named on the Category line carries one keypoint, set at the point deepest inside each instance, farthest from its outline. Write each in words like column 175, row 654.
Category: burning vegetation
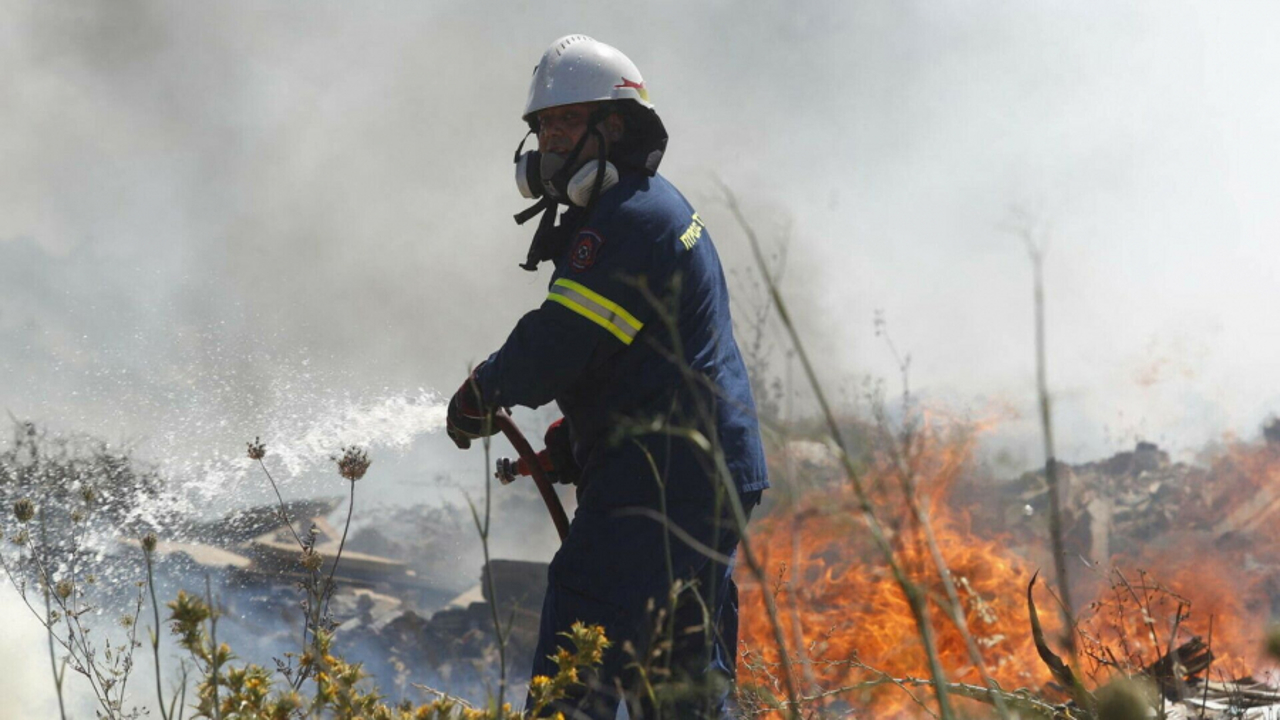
column 1175, row 566
column 897, row 580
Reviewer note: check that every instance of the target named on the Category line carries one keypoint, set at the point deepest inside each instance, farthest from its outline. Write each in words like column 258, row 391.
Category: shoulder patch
column 585, row 249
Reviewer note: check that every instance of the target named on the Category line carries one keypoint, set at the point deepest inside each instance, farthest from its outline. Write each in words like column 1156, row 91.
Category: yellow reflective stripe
column 596, row 308
column 626, row 339
column 602, row 301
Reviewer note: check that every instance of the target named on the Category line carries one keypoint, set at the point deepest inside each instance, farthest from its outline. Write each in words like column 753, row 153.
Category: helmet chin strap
column 584, row 181
column 546, row 238
column 550, row 240
column 602, row 160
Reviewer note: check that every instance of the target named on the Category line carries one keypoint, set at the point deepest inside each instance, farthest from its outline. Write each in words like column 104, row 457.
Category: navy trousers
column 670, row 657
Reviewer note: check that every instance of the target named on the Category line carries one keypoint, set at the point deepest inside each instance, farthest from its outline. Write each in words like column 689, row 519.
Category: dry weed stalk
column 1036, row 241
column 173, row 709
column 903, row 448
column 318, row 589
column 916, row 598
column 229, row 691
column 726, row 491
column 57, row 569
column 52, row 547
column 483, row 528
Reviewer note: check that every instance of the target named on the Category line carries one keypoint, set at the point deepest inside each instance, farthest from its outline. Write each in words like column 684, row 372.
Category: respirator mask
column 562, row 177
column 555, row 178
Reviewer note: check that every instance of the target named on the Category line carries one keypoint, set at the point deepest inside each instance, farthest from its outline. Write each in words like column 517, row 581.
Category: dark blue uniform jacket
column 633, row 342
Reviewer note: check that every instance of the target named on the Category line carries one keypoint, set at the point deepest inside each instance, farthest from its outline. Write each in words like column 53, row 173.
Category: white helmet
column 578, row 69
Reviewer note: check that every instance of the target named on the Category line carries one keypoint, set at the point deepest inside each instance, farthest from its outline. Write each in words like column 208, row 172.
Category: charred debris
column 403, row 605
column 1141, row 498
column 1224, row 508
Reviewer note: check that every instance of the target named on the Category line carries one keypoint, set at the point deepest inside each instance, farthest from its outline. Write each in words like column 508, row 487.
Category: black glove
column 467, row 418
column 564, row 469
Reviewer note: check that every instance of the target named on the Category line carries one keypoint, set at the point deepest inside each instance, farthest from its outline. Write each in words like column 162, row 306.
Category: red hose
column 548, row 491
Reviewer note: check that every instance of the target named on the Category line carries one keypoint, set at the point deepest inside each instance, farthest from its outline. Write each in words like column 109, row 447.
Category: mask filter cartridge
column 528, row 175
column 583, row 181
column 533, row 170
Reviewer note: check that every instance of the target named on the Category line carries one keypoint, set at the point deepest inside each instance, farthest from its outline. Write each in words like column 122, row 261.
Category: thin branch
column 676, row 530
column 53, row 664
column 915, row 597
column 283, row 515
column 482, row 528
column 1037, row 248
column 910, row 489
column 155, row 633
column 328, row 584
column 215, row 663
column 727, row 487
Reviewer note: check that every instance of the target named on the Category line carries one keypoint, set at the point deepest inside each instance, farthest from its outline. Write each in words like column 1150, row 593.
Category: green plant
column 247, row 692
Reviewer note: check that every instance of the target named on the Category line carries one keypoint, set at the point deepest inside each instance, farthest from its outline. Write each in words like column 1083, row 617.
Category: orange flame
column 847, row 621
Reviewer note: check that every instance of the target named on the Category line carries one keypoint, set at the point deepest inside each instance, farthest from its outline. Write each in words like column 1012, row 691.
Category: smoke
column 234, row 187
column 26, row 684
column 191, row 182
column 226, row 220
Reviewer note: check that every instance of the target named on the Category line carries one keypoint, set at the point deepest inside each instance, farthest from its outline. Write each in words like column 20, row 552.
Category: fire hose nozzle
column 506, row 471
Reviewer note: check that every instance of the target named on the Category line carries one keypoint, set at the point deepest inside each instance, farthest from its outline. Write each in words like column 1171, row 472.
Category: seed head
column 88, row 494
column 64, row 588
column 353, row 463
column 76, row 516
column 24, row 510
column 312, row 560
column 257, row 449
column 149, row 543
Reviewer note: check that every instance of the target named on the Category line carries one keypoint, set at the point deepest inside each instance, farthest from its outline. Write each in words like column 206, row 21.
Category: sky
column 226, row 220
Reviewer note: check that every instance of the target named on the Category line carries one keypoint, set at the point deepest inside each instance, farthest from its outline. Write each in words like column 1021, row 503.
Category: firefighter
column 635, row 344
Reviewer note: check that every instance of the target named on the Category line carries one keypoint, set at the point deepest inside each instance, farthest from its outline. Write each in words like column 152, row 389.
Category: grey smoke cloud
column 27, row 686
column 204, row 201
column 212, row 210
